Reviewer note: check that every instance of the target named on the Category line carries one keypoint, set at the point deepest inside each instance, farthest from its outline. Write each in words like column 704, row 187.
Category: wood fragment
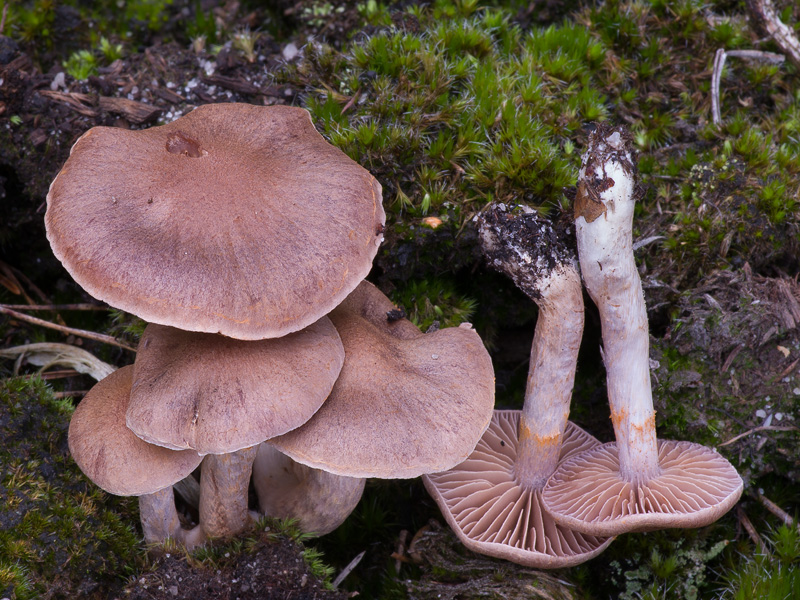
column 80, row 103
column 719, row 65
column 767, row 23
column 399, row 556
column 348, row 569
column 90, row 335
column 776, row 510
column 231, row 83
column 168, row 95
column 751, row 531
column 135, row 112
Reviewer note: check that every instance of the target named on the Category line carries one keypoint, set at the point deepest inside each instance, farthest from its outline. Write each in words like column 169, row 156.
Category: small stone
column 779, row 416
column 761, row 414
column 173, row 589
column 290, row 52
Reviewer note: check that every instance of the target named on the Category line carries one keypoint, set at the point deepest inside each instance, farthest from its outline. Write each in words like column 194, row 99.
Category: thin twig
column 775, row 509
column 751, row 531
column 398, row 556
column 85, row 306
column 346, row 571
column 716, row 75
column 756, row 430
column 719, row 65
column 91, row 335
column 72, row 394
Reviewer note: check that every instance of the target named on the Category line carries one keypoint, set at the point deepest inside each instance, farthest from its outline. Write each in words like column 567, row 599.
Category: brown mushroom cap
column 233, row 219
column 320, row 501
column 217, row 395
column 695, row 487
column 491, row 513
column 110, row 454
column 406, row 403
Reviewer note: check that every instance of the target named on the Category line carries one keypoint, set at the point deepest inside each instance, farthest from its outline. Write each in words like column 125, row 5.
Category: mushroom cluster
column 243, row 237
column 538, row 490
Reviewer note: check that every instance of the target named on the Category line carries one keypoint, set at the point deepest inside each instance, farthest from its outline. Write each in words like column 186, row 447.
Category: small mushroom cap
column 493, row 515
column 320, row 501
column 406, row 403
column 110, row 454
column 233, row 219
column 695, row 487
column 217, row 395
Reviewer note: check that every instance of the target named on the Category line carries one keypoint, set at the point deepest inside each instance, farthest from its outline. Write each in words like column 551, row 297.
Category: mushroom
column 320, row 501
column 493, row 499
column 233, row 219
column 406, row 403
column 222, row 397
column 638, row 483
column 122, row 464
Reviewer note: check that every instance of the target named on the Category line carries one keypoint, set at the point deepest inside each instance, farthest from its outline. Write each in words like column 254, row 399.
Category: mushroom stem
column 537, row 257
column 159, row 516
column 224, row 483
column 604, row 220
column 551, row 375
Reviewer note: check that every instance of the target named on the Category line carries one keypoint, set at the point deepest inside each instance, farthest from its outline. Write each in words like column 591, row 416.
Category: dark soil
column 271, row 570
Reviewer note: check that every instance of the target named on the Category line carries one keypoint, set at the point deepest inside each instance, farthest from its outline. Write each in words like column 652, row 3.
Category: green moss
column 59, row 531
column 772, row 575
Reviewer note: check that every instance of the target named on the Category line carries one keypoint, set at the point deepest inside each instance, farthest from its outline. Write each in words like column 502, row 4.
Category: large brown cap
column 234, row 219
column 695, row 487
column 110, row 454
column 406, row 403
column 491, row 513
column 320, row 501
column 217, row 395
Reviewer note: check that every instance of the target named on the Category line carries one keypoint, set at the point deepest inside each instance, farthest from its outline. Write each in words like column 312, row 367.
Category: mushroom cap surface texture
column 110, row 454
column 406, row 403
column 320, row 501
column 492, row 514
column 694, row 488
column 216, row 395
column 234, row 219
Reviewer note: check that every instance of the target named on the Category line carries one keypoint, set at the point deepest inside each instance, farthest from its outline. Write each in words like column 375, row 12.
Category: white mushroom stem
column 160, row 520
column 551, row 376
column 224, row 483
column 527, row 248
column 604, row 220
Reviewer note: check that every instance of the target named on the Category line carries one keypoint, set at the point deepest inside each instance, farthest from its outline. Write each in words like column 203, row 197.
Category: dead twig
column 55, row 306
column 776, row 510
column 90, row 335
column 719, row 64
column 751, row 531
column 72, row 394
column 756, row 430
column 766, row 22
column 346, row 571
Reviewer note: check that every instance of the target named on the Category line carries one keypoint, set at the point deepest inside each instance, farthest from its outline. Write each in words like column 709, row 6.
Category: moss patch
column 60, row 535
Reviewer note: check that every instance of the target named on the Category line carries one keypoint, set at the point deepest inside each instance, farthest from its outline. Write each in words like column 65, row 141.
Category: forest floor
column 450, row 104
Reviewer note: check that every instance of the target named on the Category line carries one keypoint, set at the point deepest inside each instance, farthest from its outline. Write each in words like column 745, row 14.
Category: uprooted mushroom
column 493, row 499
column 638, row 483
